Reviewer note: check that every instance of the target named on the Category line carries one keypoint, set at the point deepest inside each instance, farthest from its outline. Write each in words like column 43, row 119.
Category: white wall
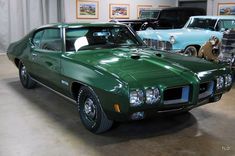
column 212, row 5
column 70, row 8
column 18, row 17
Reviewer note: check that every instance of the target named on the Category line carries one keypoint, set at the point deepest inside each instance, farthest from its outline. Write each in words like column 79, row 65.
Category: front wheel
column 191, row 50
column 25, row 78
column 91, row 113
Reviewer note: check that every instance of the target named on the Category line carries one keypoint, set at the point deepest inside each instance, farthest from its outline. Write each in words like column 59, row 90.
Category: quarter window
column 37, row 39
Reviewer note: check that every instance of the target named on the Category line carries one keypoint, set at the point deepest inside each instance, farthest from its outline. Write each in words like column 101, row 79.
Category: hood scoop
column 158, row 55
column 135, row 54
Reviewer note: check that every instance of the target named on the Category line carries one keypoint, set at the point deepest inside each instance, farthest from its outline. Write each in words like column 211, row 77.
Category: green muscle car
column 111, row 74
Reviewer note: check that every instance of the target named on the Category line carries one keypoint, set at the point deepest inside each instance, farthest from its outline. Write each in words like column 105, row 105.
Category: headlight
column 228, row 80
column 219, row 82
column 136, row 98
column 152, row 95
column 172, row 39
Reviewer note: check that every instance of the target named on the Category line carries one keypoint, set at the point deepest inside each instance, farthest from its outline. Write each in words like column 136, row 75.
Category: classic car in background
column 188, row 40
column 112, row 75
column 168, row 18
column 220, row 51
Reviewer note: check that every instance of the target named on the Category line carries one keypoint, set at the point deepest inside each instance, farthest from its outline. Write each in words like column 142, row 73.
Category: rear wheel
column 191, row 50
column 25, row 79
column 91, row 113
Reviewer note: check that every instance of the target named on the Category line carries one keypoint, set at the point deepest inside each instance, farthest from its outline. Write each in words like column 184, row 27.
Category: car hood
column 178, row 33
column 123, row 63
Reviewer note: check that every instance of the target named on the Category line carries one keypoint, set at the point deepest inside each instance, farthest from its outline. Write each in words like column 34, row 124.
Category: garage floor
column 39, row 122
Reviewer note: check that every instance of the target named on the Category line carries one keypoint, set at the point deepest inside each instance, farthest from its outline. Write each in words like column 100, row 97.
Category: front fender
column 109, row 88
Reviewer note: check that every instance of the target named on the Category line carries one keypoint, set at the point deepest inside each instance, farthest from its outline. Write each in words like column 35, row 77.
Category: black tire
column 91, row 113
column 25, row 78
column 216, row 98
column 191, row 50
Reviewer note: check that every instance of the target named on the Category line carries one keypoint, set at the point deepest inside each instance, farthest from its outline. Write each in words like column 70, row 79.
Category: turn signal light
column 117, row 108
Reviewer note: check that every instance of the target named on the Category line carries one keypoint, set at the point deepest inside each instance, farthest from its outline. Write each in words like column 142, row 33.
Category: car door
column 46, row 52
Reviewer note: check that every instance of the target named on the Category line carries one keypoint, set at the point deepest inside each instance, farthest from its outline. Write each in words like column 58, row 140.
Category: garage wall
column 70, row 8
column 194, row 3
column 212, row 5
column 18, row 17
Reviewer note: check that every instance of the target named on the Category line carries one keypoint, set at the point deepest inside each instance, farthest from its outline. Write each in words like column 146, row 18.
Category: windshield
column 145, row 14
column 226, row 24
column 202, row 23
column 99, row 37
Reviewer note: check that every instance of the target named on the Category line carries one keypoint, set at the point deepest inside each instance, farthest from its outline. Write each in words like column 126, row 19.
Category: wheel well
column 75, row 89
column 196, row 46
column 17, row 61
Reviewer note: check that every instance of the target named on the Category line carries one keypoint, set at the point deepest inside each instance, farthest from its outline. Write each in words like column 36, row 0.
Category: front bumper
column 160, row 110
column 148, row 111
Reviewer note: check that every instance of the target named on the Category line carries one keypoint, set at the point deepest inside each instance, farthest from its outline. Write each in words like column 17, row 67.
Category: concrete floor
column 39, row 122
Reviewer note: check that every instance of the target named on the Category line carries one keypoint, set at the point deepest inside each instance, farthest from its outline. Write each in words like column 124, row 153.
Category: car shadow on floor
column 63, row 113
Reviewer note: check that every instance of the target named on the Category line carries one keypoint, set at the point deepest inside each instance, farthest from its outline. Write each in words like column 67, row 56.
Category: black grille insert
column 173, row 94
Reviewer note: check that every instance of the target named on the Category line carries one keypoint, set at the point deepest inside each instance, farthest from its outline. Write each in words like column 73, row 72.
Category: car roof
column 215, row 17
column 75, row 25
column 183, row 8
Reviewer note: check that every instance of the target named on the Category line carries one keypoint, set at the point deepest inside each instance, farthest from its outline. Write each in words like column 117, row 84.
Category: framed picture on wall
column 87, row 9
column 226, row 9
column 142, row 7
column 119, row 11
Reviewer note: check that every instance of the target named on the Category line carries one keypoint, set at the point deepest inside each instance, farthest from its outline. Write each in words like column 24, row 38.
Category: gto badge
column 64, row 82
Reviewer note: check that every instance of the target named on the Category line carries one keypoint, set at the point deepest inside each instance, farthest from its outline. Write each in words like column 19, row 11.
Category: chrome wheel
column 23, row 73
column 90, row 109
column 191, row 50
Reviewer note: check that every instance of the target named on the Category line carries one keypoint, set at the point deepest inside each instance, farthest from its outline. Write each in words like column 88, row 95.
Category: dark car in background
column 167, row 18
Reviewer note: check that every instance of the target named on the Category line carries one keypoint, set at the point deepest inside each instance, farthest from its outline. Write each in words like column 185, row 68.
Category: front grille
column 230, row 34
column 176, row 95
column 206, row 89
column 228, row 42
column 172, row 94
column 159, row 45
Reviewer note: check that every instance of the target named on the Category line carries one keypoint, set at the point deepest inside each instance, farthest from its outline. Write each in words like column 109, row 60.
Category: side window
column 51, row 40
column 37, row 38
